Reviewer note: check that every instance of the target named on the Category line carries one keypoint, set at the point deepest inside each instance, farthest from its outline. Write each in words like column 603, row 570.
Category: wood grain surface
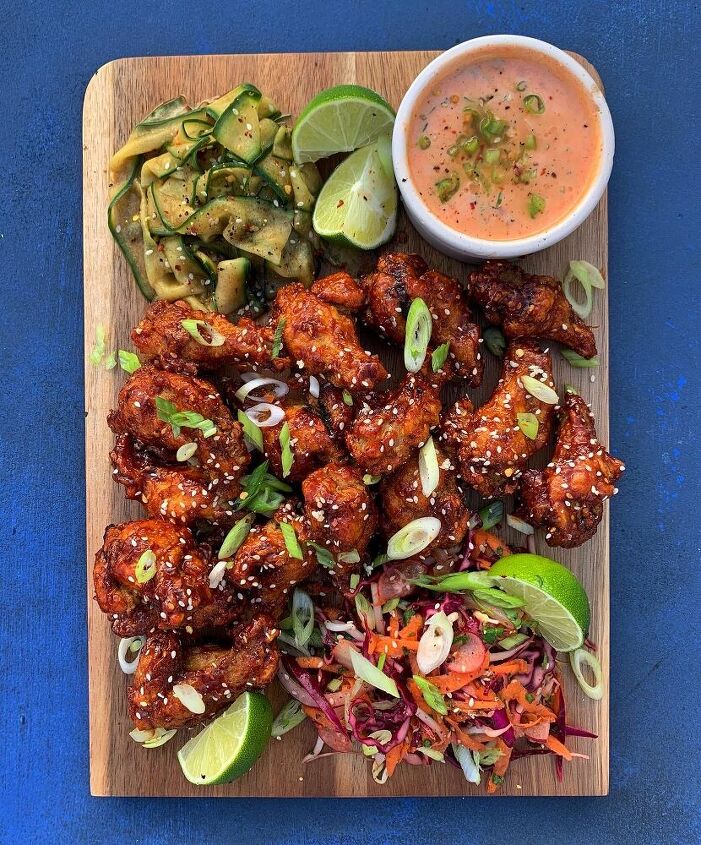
column 118, row 96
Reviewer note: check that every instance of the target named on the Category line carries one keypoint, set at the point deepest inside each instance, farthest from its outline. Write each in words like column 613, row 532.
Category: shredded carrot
column 464, row 738
column 501, row 765
column 466, row 706
column 392, row 647
column 558, row 747
column 412, row 628
column 415, row 692
column 310, row 662
column 395, row 755
column 454, row 681
column 513, row 667
column 517, row 692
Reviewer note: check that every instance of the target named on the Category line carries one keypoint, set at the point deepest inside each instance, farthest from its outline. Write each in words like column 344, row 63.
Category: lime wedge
column 554, row 598
column 231, row 744
column 339, row 120
column 358, row 203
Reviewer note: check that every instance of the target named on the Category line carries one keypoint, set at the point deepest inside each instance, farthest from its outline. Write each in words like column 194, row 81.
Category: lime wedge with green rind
column 554, row 598
column 340, row 120
column 231, row 744
column 358, row 203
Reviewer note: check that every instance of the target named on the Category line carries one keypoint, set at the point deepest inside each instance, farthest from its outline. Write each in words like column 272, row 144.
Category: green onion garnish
column 111, row 361
column 413, row 538
column 589, row 277
column 577, row 361
column 491, row 156
column 522, row 85
column 369, row 480
column 455, row 582
column 128, row 361
column 287, row 456
column 471, row 145
column 194, row 329
column 419, row 325
column 251, row 431
column 145, row 567
column 528, row 423
column 530, row 142
column 539, row 390
column 390, row 605
column 289, row 717
column 570, row 388
column 302, row 615
column 582, row 656
column 424, row 142
column 446, row 188
column 439, row 356
column 262, row 492
column 536, row 204
column 354, row 580
column 368, row 672
column 491, row 514
column 185, row 452
column 381, row 662
column 323, row 556
column 98, row 351
column 168, row 413
column 533, row 104
column 347, row 398
column 234, row 539
column 431, row 694
column 497, row 598
column 277, row 338
column 291, row 541
column 495, row 341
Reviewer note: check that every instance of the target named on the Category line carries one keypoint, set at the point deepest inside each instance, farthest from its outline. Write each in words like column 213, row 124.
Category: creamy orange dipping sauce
column 504, row 146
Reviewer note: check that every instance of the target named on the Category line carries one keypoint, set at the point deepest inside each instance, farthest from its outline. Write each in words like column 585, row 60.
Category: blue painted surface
column 647, row 53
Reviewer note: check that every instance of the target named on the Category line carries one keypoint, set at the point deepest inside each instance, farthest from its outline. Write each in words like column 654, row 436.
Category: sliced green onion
column 323, row 556
column 390, row 605
column 162, row 736
column 512, row 641
column 518, row 524
column 193, row 328
column 579, row 657
column 528, row 423
column 302, row 616
column 431, row 753
column 530, row 143
column 353, row 556
column 539, row 390
column 455, row 582
column 431, row 694
column 98, row 351
column 424, row 142
column 190, row 698
column 279, row 388
column 439, row 356
column 435, row 643
column 419, row 325
column 429, row 472
column 582, row 309
column 145, row 567
column 289, row 717
column 491, row 514
column 365, row 611
column 413, row 538
column 354, row 580
column 491, row 156
column 369, row 480
column 334, row 685
column 347, row 398
column 570, row 388
column 471, row 145
column 495, row 341
column 522, row 85
column 453, row 150
column 251, row 431
column 533, row 104
column 368, row 672
column 497, row 598
column 168, row 413
column 234, row 539
column 380, row 560
column 185, row 452
column 128, row 361
column 277, row 338
column 381, row 661
column 287, row 457
column 111, row 361
column 291, row 541
column 584, row 270
column 577, row 361
column 536, row 204
column 446, row 188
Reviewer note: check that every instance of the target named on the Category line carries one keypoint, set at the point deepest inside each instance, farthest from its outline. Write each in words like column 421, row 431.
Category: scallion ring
column 253, row 434
column 580, row 657
column 265, row 415
column 125, row 650
column 429, row 471
column 235, row 537
column 369, row 480
column 528, row 423
column 413, row 538
column 289, row 717
column 162, row 736
column 368, row 672
column 286, row 455
column 581, row 309
column 577, row 361
column 419, row 325
column 353, row 556
column 584, row 270
column 279, row 388
column 533, row 104
column 439, row 356
column 193, row 328
column 518, row 524
column 491, row 514
column 291, row 541
column 145, row 567
column 185, row 452
column 539, row 390
column 302, row 617
column 435, row 643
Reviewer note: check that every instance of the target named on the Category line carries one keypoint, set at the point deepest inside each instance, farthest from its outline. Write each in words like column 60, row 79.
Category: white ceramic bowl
column 455, row 243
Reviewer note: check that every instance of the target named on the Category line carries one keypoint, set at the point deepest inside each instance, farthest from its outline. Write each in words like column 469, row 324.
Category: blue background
column 647, row 53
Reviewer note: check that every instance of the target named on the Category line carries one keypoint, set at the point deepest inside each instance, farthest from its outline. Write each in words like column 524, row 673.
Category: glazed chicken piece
column 323, row 341
column 491, row 448
column 383, row 436
column 567, row 497
column 340, row 289
column 218, row 672
column 529, row 306
column 263, row 567
column 399, row 278
column 336, row 410
column 145, row 452
column 169, row 590
column 311, row 444
column 340, row 511
column 161, row 335
column 402, row 501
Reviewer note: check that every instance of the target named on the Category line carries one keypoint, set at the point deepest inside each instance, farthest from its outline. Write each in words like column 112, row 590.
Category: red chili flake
column 339, row 203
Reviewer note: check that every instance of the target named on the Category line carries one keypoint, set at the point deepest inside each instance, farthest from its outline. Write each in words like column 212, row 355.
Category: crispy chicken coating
column 340, row 289
column 402, row 501
column 567, row 497
column 383, row 436
column 399, row 278
column 161, row 334
column 336, row 410
column 311, row 444
column 529, row 306
column 491, row 448
column 324, row 342
column 176, row 593
column 263, row 567
column 218, row 672
column 340, row 511
column 145, row 452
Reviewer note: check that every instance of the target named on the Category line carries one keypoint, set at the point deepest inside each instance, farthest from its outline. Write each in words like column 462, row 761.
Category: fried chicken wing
column 324, row 342
column 402, row 501
column 161, row 334
column 217, row 672
column 567, row 497
column 174, row 590
column 529, row 306
column 383, row 436
column 311, row 444
column 336, row 410
column 340, row 511
column 340, row 289
column 492, row 449
column 145, row 452
column 263, row 567
column 398, row 280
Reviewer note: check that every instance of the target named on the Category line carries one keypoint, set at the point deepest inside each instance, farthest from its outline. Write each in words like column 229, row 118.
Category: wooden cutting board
column 118, row 96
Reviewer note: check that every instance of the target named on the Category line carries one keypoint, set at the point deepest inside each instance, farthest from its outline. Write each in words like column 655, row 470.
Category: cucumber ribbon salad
column 208, row 204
